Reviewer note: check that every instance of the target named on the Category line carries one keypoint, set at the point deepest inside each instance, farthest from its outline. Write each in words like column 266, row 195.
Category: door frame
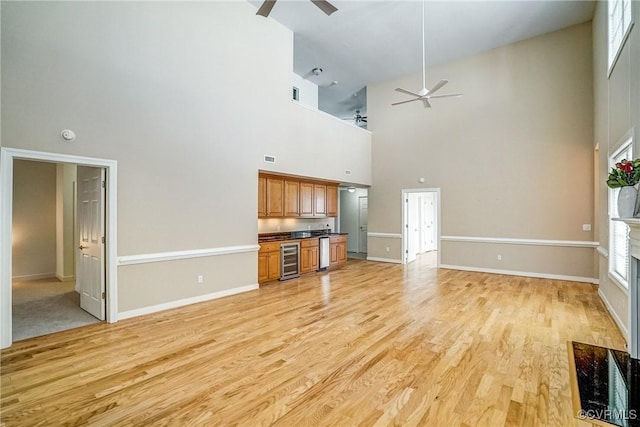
column 359, row 224
column 405, row 240
column 7, row 156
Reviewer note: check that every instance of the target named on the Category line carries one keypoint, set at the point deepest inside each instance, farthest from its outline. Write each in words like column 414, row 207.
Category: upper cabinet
column 320, row 200
column 306, row 198
column 275, row 192
column 262, row 196
column 332, row 200
column 289, row 196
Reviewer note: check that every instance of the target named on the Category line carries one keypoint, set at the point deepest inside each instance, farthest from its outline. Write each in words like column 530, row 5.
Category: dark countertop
column 295, row 235
column 608, row 383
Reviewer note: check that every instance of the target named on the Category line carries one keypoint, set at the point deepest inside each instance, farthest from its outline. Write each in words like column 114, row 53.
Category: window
column 619, row 25
column 618, row 242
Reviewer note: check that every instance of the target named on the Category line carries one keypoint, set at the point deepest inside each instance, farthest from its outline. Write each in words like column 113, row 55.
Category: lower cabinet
column 309, row 261
column 337, row 250
column 309, row 255
column 268, row 262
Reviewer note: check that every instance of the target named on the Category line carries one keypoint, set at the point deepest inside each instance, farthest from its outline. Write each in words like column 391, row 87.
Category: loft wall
column 617, row 111
column 513, row 157
column 187, row 97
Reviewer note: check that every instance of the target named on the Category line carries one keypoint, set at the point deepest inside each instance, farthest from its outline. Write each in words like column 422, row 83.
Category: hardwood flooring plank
column 368, row 344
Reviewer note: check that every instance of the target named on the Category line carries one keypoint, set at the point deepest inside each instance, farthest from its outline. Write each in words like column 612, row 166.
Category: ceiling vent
column 269, row 159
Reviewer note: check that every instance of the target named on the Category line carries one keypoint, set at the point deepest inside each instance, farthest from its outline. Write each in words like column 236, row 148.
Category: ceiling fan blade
column 425, row 101
column 404, row 102
column 407, row 92
column 449, row 95
column 363, row 120
column 325, row 6
column 438, row 86
column 266, row 7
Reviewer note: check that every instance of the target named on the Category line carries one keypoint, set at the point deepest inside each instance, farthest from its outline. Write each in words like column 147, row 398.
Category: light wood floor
column 371, row 344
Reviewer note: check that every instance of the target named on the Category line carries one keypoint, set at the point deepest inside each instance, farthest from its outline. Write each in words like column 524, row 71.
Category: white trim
column 385, row 235
column 66, row 278
column 27, row 277
column 186, row 301
column 614, row 315
column 522, row 273
column 531, row 242
column 7, row 156
column 602, row 251
column 393, row 261
column 194, row 253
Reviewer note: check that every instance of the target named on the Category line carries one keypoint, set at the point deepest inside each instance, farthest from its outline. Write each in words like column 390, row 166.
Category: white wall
column 34, row 220
column 65, row 221
column 170, row 91
column 617, row 110
column 499, row 154
column 308, row 91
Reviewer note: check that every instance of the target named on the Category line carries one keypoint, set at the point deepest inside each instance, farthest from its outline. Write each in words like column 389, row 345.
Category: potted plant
column 625, row 175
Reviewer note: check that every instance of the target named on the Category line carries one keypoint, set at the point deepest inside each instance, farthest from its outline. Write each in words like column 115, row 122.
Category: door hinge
column 104, row 184
column 104, row 295
column 103, row 240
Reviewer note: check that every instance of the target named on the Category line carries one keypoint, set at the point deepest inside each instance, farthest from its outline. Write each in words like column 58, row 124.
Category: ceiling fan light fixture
column 351, row 189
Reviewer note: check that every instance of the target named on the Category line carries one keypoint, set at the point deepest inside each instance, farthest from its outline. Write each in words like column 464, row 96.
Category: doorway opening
column 421, row 224
column 87, row 252
column 354, row 220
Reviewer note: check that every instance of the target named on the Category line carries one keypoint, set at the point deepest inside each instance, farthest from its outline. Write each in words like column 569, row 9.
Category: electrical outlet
column 499, row 257
column 586, row 227
column 388, row 249
column 200, row 278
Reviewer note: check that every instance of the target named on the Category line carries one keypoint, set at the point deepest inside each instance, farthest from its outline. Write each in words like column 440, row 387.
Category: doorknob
column 82, row 247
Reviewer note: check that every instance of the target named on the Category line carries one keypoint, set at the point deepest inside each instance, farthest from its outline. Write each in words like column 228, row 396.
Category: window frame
column 623, row 282
column 612, row 59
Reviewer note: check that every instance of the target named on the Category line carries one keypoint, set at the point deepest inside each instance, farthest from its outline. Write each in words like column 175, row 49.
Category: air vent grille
column 269, row 159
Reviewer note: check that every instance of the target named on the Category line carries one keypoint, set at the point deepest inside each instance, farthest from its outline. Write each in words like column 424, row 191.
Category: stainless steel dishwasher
column 324, row 253
column 289, row 264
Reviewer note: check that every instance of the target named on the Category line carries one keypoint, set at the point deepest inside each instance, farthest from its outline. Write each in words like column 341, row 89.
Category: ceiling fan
column 425, row 94
column 323, row 5
column 358, row 119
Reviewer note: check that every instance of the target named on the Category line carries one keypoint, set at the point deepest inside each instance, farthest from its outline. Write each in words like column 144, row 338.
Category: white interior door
column 90, row 272
column 413, row 226
column 428, row 225
column 363, row 220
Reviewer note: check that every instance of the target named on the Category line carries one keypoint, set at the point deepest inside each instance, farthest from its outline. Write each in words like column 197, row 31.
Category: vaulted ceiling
column 369, row 41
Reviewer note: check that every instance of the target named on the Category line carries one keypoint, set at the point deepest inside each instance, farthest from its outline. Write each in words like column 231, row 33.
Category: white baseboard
column 522, row 273
column 394, row 261
column 34, row 276
column 182, row 302
column 66, row 278
column 614, row 315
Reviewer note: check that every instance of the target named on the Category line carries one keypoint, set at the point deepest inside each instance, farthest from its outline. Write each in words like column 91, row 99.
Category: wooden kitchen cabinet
column 291, row 198
column 309, row 255
column 283, row 196
column 262, row 196
column 275, row 193
column 306, row 198
column 337, row 250
column 332, row 200
column 269, row 262
column 319, row 200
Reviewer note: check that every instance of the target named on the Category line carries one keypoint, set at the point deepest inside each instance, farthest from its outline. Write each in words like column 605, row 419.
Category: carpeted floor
column 45, row 306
